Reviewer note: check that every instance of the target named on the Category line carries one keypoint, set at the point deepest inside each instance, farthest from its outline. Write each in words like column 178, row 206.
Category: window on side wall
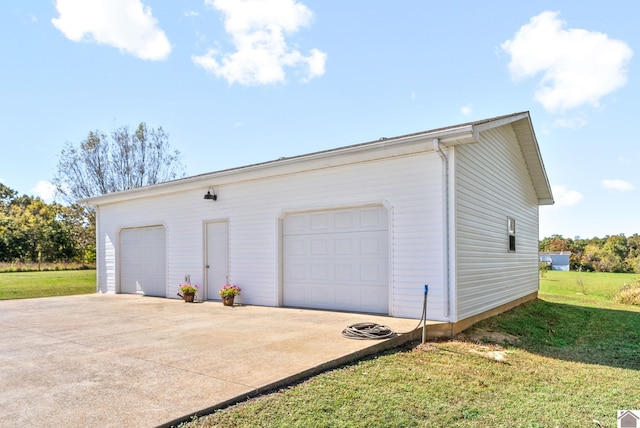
column 511, row 228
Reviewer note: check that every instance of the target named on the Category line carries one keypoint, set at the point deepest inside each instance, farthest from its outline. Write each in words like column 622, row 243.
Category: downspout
column 445, row 185
column 98, row 250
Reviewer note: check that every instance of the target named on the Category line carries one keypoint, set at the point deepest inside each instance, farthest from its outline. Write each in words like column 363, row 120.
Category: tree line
column 33, row 231
column 615, row 253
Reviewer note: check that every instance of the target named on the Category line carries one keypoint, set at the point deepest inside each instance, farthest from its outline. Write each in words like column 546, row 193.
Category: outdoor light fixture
column 211, row 195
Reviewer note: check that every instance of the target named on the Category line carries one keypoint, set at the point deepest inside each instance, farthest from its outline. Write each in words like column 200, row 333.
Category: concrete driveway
column 134, row 361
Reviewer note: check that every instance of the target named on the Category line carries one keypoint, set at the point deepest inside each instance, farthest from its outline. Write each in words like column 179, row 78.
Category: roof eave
column 363, row 152
column 382, row 148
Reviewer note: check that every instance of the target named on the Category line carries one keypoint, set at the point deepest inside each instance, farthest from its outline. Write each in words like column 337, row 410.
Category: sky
column 237, row 82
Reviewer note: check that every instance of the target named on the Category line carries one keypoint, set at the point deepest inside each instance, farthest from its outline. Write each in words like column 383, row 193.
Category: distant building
column 556, row 260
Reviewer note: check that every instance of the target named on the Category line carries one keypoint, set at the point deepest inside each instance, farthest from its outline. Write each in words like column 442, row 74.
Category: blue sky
column 245, row 81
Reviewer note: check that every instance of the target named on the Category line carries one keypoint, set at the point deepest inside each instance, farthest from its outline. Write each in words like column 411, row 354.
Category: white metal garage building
column 359, row 228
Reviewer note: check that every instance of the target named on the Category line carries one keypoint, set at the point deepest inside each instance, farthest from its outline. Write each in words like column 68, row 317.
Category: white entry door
column 337, row 259
column 143, row 261
column 217, row 267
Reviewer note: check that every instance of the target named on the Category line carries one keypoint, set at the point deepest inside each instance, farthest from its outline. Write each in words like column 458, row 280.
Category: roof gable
column 521, row 123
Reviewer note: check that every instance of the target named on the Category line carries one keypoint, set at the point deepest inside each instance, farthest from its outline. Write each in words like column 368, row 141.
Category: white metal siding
column 337, row 259
column 410, row 187
column 488, row 182
column 492, row 183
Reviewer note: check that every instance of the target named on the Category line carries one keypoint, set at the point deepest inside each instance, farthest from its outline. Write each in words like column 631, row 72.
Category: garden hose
column 370, row 330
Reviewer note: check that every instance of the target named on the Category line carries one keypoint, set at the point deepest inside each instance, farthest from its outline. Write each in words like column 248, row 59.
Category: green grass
column 23, row 285
column 600, row 286
column 36, row 267
column 566, row 360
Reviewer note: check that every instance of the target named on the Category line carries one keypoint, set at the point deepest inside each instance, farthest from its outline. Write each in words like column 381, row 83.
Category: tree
column 120, row 161
column 615, row 252
column 6, row 195
column 633, row 257
column 554, row 244
column 577, row 250
column 80, row 224
column 592, row 258
column 33, row 231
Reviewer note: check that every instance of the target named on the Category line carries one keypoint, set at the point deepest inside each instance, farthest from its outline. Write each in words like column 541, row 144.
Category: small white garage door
column 337, row 260
column 142, row 261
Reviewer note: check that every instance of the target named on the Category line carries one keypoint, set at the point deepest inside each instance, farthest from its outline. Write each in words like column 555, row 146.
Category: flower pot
column 188, row 297
column 227, row 301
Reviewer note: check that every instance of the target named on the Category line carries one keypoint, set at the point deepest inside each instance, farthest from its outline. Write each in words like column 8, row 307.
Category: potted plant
column 228, row 292
column 188, row 291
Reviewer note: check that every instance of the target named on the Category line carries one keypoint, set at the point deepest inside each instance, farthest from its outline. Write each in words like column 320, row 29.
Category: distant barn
column 556, row 260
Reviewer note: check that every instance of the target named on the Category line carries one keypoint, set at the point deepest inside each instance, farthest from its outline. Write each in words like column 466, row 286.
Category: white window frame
column 511, row 234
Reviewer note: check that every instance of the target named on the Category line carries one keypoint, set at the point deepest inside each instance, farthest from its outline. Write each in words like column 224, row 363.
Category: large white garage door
column 142, row 261
column 337, row 259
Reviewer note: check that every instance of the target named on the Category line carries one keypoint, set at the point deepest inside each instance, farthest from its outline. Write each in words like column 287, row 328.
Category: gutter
column 98, row 250
column 445, row 184
column 379, row 149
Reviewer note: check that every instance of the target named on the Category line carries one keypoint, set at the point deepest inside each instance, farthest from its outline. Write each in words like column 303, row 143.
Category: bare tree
column 120, row 161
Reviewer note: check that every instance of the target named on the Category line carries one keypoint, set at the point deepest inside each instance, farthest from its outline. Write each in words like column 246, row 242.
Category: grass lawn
column 586, row 286
column 569, row 359
column 22, row 285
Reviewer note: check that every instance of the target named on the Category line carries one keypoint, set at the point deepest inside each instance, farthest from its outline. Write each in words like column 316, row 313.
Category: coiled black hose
column 368, row 330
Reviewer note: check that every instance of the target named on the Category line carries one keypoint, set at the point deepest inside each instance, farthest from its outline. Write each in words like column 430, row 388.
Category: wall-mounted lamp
column 211, row 195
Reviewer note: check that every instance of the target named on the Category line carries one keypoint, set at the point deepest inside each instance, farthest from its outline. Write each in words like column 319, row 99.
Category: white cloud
column 466, row 110
column 258, row 29
column 575, row 122
column 578, row 66
column 124, row 24
column 45, row 190
column 564, row 197
column 617, row 185
column 621, row 159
